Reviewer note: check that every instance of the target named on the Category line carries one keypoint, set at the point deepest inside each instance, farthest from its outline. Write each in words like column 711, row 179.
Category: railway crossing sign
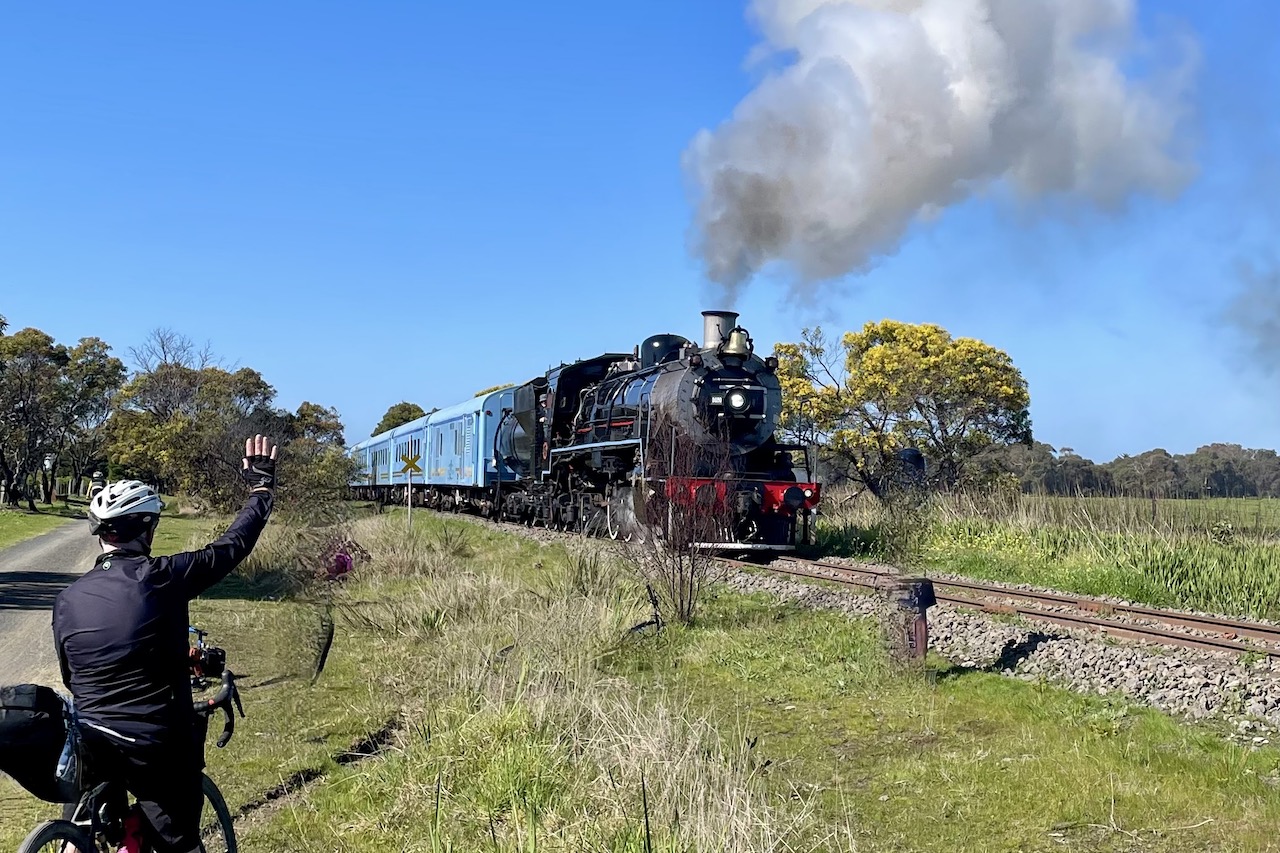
column 410, row 467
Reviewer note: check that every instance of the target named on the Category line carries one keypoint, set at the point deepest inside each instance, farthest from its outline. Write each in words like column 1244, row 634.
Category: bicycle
column 104, row 820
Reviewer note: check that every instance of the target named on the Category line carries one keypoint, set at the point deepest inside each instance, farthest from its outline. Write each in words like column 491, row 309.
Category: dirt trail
column 32, row 573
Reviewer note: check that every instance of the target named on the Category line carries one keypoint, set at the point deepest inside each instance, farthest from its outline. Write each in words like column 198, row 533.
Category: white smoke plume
column 890, row 110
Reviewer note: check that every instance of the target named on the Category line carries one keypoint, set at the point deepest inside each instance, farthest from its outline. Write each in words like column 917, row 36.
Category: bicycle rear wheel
column 57, row 836
column 217, row 832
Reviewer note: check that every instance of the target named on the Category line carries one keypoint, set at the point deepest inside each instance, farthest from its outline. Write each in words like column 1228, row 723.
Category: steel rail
column 1134, row 630
column 1228, row 629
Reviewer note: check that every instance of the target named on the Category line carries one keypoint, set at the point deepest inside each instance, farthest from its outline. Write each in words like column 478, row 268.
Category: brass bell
column 738, row 344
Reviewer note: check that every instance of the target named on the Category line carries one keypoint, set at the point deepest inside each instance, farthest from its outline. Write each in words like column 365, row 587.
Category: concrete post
column 909, row 600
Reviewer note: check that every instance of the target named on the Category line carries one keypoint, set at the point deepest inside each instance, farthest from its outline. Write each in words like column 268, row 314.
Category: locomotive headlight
column 737, row 401
column 808, row 493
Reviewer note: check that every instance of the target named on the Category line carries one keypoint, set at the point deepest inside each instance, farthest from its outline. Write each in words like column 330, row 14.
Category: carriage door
column 468, row 450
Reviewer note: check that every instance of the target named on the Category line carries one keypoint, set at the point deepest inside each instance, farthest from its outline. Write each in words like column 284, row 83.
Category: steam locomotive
column 588, row 446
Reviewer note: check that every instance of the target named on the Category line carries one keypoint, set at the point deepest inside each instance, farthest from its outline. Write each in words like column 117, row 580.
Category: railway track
column 1124, row 621
column 1133, row 622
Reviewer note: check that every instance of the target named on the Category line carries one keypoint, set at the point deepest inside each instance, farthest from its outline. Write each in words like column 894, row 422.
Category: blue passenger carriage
column 454, row 450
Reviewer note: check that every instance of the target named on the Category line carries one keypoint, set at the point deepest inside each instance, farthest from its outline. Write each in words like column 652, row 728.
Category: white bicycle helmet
column 124, row 508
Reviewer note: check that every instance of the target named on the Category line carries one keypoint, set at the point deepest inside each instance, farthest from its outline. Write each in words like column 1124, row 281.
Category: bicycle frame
column 109, row 820
column 89, row 813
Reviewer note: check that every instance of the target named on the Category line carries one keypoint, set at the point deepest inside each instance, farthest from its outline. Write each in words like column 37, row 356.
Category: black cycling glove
column 260, row 473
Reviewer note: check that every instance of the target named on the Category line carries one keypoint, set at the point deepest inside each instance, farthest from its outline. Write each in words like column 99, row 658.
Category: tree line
column 866, row 400
column 176, row 419
column 1212, row 471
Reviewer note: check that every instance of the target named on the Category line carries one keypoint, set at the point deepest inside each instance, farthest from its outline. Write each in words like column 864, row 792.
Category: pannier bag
column 33, row 732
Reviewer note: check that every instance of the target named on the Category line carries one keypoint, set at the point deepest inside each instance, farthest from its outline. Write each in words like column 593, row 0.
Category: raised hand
column 259, row 469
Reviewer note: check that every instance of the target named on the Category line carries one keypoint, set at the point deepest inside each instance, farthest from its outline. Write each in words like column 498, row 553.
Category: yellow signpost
column 410, row 466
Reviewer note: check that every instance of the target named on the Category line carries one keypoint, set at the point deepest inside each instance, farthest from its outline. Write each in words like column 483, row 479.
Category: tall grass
column 1218, row 558
column 516, row 736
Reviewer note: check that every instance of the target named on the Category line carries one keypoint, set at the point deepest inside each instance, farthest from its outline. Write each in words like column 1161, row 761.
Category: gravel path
column 32, row 573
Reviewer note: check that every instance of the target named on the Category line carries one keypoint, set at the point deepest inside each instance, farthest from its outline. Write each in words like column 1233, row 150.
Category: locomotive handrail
column 498, row 462
column 646, row 405
column 574, row 448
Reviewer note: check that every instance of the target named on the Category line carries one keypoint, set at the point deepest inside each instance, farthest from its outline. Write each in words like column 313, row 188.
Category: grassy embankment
column 530, row 721
column 528, row 717
column 1220, row 555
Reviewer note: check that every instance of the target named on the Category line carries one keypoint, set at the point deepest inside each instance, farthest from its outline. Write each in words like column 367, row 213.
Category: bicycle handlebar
column 226, row 695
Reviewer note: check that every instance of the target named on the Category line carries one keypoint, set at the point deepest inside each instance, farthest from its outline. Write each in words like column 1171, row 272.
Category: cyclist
column 121, row 635
column 96, row 484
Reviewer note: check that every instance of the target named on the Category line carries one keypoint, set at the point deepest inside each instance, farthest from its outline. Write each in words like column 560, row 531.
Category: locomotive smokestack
column 716, row 326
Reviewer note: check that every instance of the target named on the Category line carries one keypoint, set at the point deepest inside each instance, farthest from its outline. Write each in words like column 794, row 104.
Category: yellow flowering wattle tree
column 896, row 385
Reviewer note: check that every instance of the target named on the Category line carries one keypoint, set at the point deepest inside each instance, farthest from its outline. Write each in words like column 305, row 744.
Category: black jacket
column 121, row 631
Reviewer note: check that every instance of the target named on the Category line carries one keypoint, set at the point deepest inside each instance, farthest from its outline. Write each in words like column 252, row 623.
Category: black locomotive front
column 679, row 419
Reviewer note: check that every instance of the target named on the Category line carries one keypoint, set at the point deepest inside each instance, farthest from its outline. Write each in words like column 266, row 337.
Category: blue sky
column 386, row 201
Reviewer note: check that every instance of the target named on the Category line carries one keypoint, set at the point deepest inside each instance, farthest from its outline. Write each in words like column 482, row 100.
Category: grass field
column 1211, row 555
column 532, row 719
column 527, row 717
column 1258, row 518
column 19, row 524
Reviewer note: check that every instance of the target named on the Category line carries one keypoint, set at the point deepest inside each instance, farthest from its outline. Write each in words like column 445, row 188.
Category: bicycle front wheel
column 217, row 832
column 57, row 836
